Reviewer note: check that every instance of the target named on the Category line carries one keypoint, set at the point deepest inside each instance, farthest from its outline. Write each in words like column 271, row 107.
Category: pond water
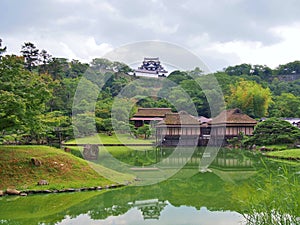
column 239, row 190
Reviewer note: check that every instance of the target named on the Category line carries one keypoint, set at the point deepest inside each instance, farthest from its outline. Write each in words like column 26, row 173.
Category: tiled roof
column 152, row 112
column 233, row 116
column 181, row 118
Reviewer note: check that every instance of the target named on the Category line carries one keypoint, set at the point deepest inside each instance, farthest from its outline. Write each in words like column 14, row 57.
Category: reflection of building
column 148, row 115
column 150, row 208
column 151, row 67
column 178, row 129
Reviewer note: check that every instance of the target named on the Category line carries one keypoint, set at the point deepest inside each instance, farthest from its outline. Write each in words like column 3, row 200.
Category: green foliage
column 34, row 97
column 289, row 68
column 250, row 97
column 24, row 95
column 275, row 200
column 285, row 105
column 84, row 124
column 274, row 131
column 144, row 130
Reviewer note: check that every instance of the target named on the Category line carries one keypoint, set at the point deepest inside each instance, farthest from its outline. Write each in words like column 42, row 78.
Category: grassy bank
column 113, row 139
column 285, row 154
column 60, row 169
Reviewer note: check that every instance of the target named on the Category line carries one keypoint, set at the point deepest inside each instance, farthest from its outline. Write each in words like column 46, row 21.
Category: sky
column 221, row 33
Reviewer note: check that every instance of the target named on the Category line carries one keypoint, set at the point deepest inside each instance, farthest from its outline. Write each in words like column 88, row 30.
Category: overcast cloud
column 220, row 32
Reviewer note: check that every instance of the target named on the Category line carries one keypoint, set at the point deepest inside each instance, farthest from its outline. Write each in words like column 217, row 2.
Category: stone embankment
column 12, row 191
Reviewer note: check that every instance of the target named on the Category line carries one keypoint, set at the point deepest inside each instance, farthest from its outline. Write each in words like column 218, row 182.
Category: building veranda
column 183, row 129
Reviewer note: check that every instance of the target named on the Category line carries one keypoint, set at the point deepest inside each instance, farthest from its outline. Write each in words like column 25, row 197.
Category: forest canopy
column 37, row 92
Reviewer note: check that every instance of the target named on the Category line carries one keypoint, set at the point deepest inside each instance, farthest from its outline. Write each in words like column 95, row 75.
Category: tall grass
column 277, row 198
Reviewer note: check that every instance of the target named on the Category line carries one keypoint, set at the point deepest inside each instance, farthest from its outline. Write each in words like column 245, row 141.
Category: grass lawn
column 60, row 169
column 290, row 153
column 114, row 139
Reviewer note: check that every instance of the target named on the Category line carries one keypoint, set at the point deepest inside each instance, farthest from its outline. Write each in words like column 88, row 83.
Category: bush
column 274, row 131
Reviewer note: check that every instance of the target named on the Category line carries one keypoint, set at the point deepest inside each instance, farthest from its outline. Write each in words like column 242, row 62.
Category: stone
column 70, row 190
column 67, row 149
column 23, row 194
column 1, row 193
column 36, row 162
column 11, row 191
column 90, row 152
column 43, row 182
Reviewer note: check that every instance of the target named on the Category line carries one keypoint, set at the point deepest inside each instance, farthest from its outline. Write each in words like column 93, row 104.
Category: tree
column 101, row 63
column 57, row 68
column 239, row 70
column 250, row 97
column 285, row 105
column 44, row 59
column 23, row 98
column 76, row 69
column 289, row 68
column 274, row 131
column 31, row 55
column 2, row 50
column 144, row 130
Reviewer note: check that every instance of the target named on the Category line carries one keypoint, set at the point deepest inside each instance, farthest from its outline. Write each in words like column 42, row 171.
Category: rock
column 23, row 194
column 10, row 191
column 46, row 191
column 99, row 188
column 43, row 182
column 1, row 193
column 264, row 148
column 67, row 149
column 36, row 162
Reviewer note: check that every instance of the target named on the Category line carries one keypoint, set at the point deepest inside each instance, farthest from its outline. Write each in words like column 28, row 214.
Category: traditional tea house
column 178, row 129
column 231, row 123
column 149, row 115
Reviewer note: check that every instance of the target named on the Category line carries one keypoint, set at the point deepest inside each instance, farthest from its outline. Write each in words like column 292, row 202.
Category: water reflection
column 238, row 185
column 170, row 215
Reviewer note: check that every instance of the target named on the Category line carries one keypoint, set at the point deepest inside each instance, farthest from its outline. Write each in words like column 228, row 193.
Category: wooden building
column 231, row 123
column 186, row 130
column 148, row 115
column 178, row 129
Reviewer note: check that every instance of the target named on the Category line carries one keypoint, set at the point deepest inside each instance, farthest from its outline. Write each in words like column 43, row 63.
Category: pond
column 240, row 189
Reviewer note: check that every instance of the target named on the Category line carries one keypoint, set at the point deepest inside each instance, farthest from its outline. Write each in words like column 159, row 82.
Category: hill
column 21, row 167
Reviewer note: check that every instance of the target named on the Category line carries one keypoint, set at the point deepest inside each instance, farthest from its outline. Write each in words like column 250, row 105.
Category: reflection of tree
column 102, row 213
column 268, row 192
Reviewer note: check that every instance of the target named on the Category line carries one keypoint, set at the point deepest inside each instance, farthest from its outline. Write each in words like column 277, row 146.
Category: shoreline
column 15, row 192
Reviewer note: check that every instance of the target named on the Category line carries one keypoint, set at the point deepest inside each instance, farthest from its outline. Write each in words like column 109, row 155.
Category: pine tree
column 31, row 55
column 2, row 50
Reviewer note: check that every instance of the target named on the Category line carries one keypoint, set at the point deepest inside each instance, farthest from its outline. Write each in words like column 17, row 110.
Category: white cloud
column 254, row 52
column 222, row 32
